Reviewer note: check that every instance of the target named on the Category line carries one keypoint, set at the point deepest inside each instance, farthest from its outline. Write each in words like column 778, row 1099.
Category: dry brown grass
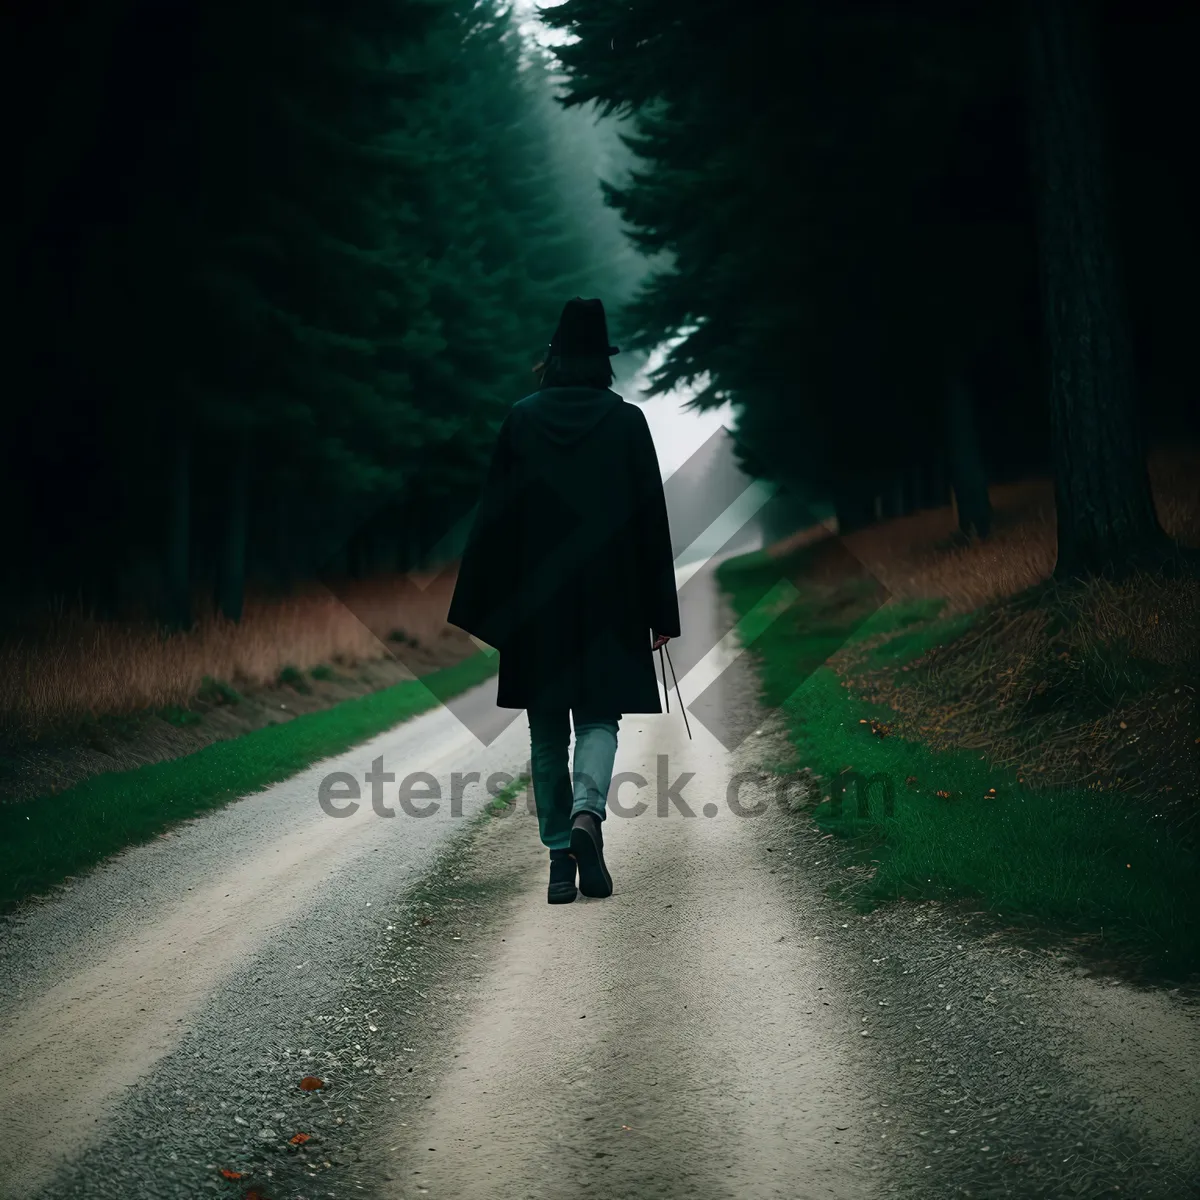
column 921, row 556
column 71, row 666
column 1092, row 684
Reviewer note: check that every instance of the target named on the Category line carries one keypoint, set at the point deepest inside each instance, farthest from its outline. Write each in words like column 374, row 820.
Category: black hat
column 582, row 331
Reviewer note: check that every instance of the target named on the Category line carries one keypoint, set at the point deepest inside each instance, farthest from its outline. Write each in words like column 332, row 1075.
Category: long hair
column 568, row 371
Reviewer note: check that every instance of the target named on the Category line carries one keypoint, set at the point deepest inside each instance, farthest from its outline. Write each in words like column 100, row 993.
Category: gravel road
column 719, row 1027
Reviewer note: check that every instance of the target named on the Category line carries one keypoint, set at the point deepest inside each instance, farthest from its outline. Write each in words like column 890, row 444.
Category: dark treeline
column 274, row 276
column 920, row 246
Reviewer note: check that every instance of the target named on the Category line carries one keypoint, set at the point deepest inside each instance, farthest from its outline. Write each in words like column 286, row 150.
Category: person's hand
column 661, row 640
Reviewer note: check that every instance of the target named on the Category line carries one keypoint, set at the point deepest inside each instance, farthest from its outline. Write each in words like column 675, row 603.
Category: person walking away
column 568, row 572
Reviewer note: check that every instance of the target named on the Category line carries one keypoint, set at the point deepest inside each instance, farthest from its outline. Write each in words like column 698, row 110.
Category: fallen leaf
column 310, row 1083
column 300, row 1139
column 231, row 1174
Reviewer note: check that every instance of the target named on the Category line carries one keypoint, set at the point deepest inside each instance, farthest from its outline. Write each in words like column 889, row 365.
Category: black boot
column 562, row 878
column 587, row 845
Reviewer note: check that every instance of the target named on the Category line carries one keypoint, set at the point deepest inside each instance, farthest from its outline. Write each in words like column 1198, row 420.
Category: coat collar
column 565, row 415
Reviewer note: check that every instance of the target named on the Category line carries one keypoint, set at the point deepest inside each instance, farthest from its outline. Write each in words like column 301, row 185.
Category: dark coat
column 568, row 569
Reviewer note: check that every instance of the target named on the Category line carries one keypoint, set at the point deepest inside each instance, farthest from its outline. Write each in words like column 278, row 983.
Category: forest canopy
column 275, row 278
column 895, row 229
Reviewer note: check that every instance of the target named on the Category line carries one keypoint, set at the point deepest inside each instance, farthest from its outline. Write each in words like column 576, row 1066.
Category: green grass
column 293, row 677
column 1065, row 860
column 506, row 797
column 49, row 838
column 178, row 716
column 217, row 691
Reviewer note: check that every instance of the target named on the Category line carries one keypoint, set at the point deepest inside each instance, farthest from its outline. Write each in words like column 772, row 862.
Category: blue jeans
column 561, row 794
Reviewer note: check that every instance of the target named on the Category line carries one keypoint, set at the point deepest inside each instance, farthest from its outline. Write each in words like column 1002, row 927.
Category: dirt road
column 719, row 1027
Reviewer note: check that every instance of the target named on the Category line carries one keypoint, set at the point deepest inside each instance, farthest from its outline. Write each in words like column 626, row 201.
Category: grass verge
column 1066, row 859
column 50, row 838
column 504, row 799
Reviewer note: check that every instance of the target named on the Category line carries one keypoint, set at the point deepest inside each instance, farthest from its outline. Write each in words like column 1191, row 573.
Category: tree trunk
column 408, row 534
column 387, row 555
column 783, row 514
column 968, row 474
column 854, row 509
column 915, row 489
column 895, row 498
column 358, row 554
column 417, row 540
column 935, row 488
column 177, row 583
column 231, row 560
column 1106, row 516
column 945, row 492
column 285, row 568
column 906, row 493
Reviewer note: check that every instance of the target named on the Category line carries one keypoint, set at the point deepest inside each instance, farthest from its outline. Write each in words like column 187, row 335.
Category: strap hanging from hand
column 666, row 694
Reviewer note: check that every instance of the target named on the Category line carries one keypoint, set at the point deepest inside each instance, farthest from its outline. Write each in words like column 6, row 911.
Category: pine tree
column 1106, row 516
